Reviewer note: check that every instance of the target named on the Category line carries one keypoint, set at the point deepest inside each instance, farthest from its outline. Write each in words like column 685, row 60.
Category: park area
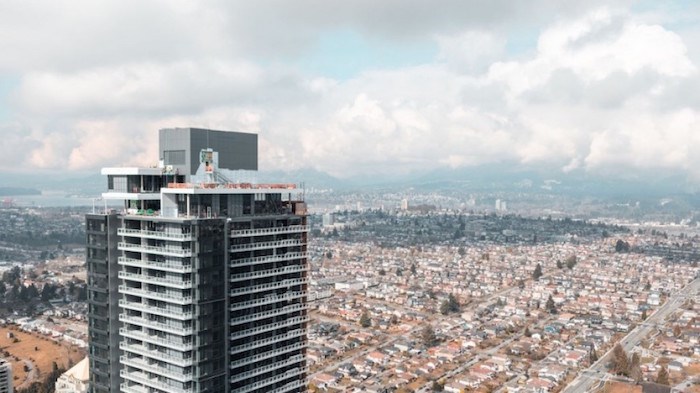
column 33, row 355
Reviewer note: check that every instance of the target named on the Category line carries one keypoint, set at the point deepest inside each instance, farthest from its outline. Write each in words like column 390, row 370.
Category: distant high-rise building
column 404, row 204
column 5, row 376
column 199, row 282
column 328, row 220
column 498, row 205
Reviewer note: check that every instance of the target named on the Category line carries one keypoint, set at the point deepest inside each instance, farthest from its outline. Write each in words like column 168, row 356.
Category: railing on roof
column 243, row 186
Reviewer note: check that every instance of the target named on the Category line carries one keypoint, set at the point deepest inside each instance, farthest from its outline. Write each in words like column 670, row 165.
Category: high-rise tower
column 199, row 283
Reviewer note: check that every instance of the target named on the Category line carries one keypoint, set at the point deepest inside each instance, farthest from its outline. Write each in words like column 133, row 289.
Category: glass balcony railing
column 165, row 296
column 182, row 376
column 267, row 341
column 169, row 328
column 269, row 299
column 155, row 382
column 267, row 273
column 267, row 314
column 170, row 342
column 266, row 287
column 168, row 266
column 290, row 256
column 171, row 312
column 162, row 235
column 266, row 245
column 158, row 250
column 269, row 327
column 165, row 281
column 269, row 231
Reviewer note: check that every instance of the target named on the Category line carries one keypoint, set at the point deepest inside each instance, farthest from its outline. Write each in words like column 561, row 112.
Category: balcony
column 269, row 327
column 158, row 250
column 168, row 343
column 272, row 340
column 269, row 299
column 270, row 367
column 172, row 298
column 160, row 235
column 166, row 312
column 266, row 355
column 126, row 388
column 157, row 355
column 154, row 368
column 168, row 266
column 164, row 281
column 157, row 383
column 269, row 231
column 287, row 387
column 267, row 314
column 183, row 331
column 290, row 256
column 267, row 273
column 266, row 287
column 266, row 245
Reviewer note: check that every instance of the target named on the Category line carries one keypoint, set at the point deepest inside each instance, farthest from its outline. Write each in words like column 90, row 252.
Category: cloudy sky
column 356, row 87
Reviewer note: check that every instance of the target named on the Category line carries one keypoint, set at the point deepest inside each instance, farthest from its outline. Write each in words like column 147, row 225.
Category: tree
column 560, row 265
column 329, row 255
column 48, row 292
column 571, row 262
column 12, row 276
column 622, row 246
column 527, row 332
column 414, row 269
column 662, row 376
column 437, row 386
column 461, row 251
column 644, row 315
column 23, row 293
column 676, row 331
column 82, row 293
column 550, row 306
column 620, row 364
column 428, row 336
column 32, row 292
column 635, row 372
column 450, row 305
column 14, row 293
column 537, row 273
column 593, row 356
column 382, row 272
column 365, row 320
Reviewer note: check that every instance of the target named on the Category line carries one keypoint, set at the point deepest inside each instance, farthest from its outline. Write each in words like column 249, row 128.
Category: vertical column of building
column 211, row 297
column 158, row 337
column 267, row 308
column 103, row 326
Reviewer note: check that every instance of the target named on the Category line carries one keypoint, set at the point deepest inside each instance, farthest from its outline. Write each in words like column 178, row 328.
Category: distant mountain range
column 486, row 178
column 13, row 191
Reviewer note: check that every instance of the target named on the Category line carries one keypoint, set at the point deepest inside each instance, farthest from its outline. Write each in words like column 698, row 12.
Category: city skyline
column 357, row 89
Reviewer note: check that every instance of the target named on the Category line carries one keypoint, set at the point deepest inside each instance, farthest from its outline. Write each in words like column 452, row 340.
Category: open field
column 37, row 352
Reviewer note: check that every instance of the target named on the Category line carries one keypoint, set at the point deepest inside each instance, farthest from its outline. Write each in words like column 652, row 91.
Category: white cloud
column 604, row 89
